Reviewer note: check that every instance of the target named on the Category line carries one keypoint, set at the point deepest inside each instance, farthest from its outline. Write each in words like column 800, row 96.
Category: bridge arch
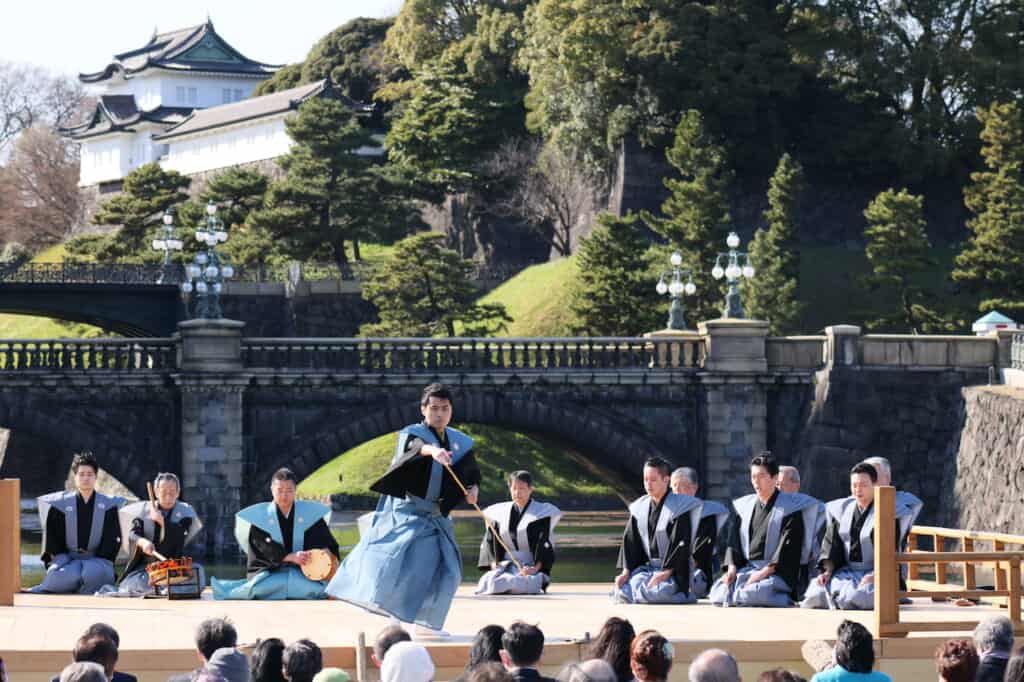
column 611, row 442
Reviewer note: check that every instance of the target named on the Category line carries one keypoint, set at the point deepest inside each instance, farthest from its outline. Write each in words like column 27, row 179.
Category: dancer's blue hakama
column 258, row 532
column 407, row 564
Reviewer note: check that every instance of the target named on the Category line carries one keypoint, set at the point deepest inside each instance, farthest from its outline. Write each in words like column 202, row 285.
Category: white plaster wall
column 104, row 159
column 208, row 89
column 263, row 139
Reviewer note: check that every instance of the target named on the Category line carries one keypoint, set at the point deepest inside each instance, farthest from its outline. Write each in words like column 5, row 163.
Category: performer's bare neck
column 86, row 495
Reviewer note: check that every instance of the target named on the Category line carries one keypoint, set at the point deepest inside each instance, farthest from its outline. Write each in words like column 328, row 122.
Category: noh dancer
column 81, row 534
column 277, row 538
column 655, row 553
column 525, row 526
column 771, row 531
column 407, row 564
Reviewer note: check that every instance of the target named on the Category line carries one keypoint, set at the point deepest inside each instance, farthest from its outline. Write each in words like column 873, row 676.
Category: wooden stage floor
column 37, row 633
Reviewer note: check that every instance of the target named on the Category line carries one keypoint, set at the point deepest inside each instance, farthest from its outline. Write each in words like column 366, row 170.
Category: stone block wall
column 985, row 468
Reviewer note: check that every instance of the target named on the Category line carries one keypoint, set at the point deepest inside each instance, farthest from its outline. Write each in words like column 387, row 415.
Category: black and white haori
column 659, row 536
column 714, row 516
column 771, row 536
column 529, row 533
column 81, row 539
column 180, row 526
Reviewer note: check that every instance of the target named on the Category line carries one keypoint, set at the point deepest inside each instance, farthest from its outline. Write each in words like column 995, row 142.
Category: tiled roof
column 196, row 48
column 116, row 113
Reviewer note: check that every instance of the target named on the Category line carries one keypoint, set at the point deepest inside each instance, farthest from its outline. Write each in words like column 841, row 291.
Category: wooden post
column 361, row 667
column 887, row 582
column 913, row 570
column 1014, row 599
column 970, row 578
column 939, row 545
column 10, row 540
column 998, row 567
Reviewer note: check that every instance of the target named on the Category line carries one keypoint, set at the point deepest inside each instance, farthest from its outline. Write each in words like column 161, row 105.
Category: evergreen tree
column 775, row 253
column 237, row 193
column 424, row 289
column 148, row 191
column 696, row 214
column 613, row 293
column 330, row 195
column 991, row 265
column 897, row 248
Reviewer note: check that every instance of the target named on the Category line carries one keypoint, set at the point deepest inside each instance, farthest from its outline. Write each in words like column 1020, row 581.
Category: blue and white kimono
column 674, row 534
column 182, row 526
column 277, row 580
column 532, row 545
column 407, row 564
column 845, row 587
column 714, row 516
column 787, row 538
column 72, row 569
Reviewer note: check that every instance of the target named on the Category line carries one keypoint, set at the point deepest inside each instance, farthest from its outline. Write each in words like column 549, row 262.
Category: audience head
column 407, row 662
column 489, row 672
column 763, row 473
column 83, row 672
column 331, row 675
column 650, row 657
column 436, row 406
column 520, row 487
column 301, row 661
column 1015, row 668
column 486, row 646
column 593, row 670
column 854, row 650
column 883, row 468
column 685, row 482
column 282, row 487
column 994, row 634
column 266, row 664
column 956, row 661
column 657, row 474
column 714, row 665
column 612, row 645
column 98, row 649
column 789, row 479
column 862, row 483
column 213, row 634
column 521, row 645
column 387, row 638
column 780, row 675
column 106, row 631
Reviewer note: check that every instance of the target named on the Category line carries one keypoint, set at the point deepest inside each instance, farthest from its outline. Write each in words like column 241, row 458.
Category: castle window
column 179, row 94
column 193, row 96
column 238, row 94
column 225, row 96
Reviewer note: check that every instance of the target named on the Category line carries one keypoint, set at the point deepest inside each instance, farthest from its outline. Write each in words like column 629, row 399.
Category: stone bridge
column 224, row 411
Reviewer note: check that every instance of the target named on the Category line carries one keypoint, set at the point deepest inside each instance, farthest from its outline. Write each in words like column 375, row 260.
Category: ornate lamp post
column 675, row 288
column 168, row 241
column 207, row 274
column 732, row 272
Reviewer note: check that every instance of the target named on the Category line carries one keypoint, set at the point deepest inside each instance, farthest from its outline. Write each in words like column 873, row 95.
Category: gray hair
column 994, row 634
column 714, row 665
column 880, row 463
column 689, row 473
column 793, row 472
column 83, row 672
column 166, row 476
column 593, row 670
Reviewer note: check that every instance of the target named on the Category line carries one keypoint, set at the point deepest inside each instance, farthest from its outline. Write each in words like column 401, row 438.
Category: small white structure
column 991, row 322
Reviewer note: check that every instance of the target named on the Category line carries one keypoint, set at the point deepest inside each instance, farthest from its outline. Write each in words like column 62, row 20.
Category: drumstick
column 487, row 521
column 159, row 556
column 152, row 502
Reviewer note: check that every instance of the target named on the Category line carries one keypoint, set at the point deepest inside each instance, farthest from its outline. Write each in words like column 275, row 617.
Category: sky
column 81, row 37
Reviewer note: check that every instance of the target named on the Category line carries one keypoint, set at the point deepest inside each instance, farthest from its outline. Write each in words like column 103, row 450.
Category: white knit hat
column 407, row 662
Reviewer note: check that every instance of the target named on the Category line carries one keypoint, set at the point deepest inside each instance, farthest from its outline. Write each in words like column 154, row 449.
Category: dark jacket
column 991, row 669
column 530, row 675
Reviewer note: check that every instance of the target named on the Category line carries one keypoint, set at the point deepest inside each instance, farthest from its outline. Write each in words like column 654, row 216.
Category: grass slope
column 537, row 299
column 558, row 472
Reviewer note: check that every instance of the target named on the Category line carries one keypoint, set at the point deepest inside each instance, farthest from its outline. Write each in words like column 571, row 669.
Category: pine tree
column 696, row 214
column 148, row 191
column 237, row 193
column 775, row 253
column 424, row 289
column 898, row 250
column 613, row 293
column 330, row 195
column 991, row 264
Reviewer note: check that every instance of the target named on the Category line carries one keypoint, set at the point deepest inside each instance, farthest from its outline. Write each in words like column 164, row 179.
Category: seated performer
column 277, row 537
column 769, row 535
column 789, row 482
column 908, row 506
column 81, row 533
column 407, row 564
column 162, row 529
column 525, row 525
column 655, row 552
column 847, row 561
column 705, row 543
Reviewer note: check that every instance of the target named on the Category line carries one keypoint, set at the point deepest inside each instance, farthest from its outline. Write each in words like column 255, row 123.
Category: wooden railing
column 458, row 354
column 968, row 541
column 76, row 355
column 887, row 561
